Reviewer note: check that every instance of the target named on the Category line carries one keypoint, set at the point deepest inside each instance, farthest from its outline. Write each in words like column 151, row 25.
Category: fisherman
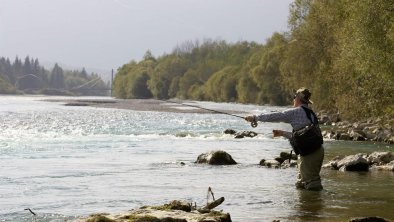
column 311, row 158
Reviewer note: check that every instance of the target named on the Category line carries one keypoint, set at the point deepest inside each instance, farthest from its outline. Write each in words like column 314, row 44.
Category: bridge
column 88, row 86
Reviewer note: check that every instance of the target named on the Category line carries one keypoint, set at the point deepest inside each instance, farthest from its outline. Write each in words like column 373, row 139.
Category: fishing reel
column 253, row 124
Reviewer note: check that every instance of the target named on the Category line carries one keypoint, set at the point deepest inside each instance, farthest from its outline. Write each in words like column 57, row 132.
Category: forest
column 342, row 50
column 29, row 77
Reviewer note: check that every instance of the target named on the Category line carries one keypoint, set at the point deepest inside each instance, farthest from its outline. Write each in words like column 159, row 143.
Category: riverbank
column 372, row 129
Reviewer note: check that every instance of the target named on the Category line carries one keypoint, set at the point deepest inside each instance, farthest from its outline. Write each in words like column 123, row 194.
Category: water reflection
column 310, row 205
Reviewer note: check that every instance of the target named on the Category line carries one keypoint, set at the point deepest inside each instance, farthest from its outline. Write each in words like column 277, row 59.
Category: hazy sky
column 106, row 34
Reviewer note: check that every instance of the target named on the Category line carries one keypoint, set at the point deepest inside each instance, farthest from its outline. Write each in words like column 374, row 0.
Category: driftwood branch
column 207, row 208
column 214, row 204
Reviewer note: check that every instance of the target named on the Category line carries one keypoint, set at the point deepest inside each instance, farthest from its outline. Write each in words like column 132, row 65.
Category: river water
column 64, row 162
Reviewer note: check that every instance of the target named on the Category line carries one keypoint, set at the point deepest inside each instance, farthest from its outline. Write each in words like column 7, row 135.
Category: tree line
column 342, row 50
column 28, row 76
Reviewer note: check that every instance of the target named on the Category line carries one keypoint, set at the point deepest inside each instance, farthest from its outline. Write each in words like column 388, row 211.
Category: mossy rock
column 220, row 216
column 140, row 218
column 175, row 205
column 99, row 218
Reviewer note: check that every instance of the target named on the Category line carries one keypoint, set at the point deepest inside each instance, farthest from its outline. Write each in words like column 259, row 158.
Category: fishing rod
column 253, row 123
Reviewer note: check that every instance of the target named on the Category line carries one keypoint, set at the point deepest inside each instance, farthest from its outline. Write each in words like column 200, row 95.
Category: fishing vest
column 309, row 138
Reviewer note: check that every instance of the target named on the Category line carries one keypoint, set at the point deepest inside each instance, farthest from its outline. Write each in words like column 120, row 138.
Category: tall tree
column 27, row 66
column 56, row 79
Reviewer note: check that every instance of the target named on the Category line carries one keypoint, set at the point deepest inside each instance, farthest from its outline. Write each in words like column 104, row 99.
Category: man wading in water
column 301, row 118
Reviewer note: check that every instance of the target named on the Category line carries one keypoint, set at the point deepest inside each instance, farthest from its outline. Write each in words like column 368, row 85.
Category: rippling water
column 64, row 162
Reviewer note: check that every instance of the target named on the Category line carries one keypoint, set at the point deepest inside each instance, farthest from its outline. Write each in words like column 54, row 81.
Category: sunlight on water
column 65, row 162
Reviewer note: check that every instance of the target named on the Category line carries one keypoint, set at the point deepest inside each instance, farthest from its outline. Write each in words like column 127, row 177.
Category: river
column 64, row 162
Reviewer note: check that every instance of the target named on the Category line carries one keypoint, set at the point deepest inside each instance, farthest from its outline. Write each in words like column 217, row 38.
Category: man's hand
column 278, row 133
column 250, row 118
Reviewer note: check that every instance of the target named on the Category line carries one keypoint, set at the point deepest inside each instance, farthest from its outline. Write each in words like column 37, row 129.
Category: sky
column 105, row 34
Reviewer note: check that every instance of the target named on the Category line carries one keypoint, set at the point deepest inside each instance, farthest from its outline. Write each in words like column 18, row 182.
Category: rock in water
column 245, row 134
column 217, row 157
column 230, row 131
column 353, row 163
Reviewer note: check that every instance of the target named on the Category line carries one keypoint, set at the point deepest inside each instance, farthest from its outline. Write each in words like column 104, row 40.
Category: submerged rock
column 217, row 157
column 245, row 134
column 270, row 163
column 239, row 135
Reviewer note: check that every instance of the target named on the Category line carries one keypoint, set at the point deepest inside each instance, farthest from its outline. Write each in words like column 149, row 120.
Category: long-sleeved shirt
column 296, row 117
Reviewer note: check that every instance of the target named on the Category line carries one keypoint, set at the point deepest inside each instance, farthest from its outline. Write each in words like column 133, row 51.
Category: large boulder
column 217, row 157
column 353, row 163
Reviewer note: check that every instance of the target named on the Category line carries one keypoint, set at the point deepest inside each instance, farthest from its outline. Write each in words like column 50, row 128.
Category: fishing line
column 253, row 124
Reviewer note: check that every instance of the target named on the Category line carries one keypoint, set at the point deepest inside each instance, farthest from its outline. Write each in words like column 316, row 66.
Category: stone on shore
column 373, row 129
column 217, row 157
